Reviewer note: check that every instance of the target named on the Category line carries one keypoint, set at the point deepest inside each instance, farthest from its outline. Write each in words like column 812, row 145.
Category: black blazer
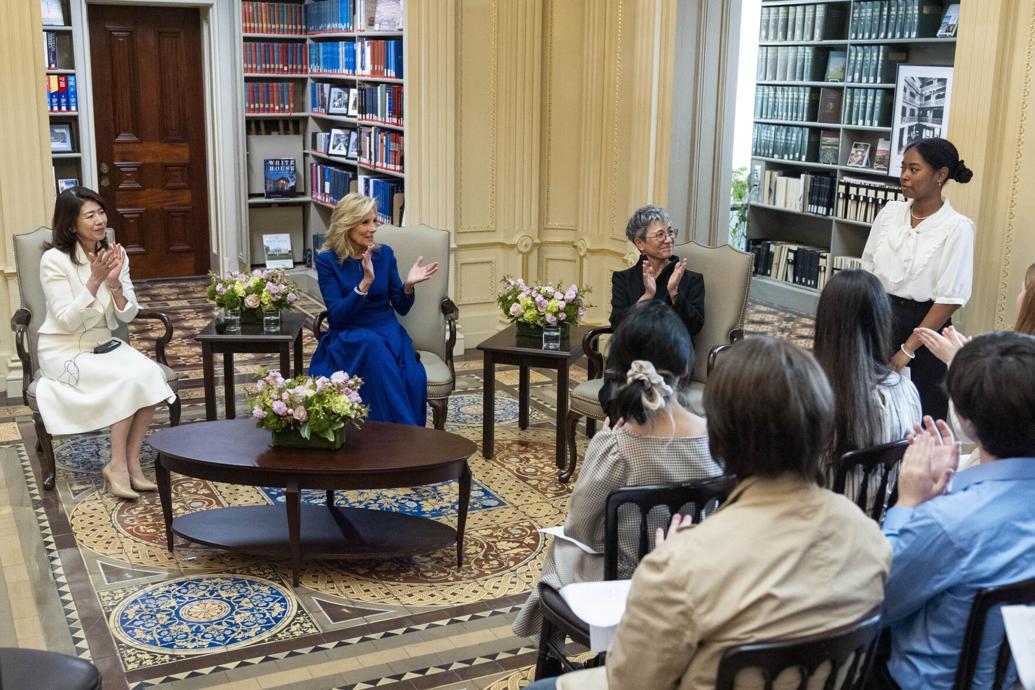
column 627, row 289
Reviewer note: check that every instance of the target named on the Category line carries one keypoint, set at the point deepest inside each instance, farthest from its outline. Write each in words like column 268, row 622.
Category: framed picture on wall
column 921, row 108
column 61, row 138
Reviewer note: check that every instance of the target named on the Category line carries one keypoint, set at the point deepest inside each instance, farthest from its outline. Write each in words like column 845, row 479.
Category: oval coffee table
column 378, row 456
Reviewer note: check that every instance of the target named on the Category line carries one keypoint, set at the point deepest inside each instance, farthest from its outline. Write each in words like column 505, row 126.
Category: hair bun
column 962, row 174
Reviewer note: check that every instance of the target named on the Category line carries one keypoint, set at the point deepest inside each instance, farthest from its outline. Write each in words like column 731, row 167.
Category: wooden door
column 149, row 112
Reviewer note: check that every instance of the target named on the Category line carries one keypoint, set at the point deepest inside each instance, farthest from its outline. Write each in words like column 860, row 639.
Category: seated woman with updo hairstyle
column 656, row 441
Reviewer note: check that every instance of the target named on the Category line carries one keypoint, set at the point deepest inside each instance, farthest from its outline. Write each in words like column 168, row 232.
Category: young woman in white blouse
column 922, row 251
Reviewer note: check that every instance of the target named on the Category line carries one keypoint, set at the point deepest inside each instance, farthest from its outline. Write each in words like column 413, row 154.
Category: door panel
column 150, row 129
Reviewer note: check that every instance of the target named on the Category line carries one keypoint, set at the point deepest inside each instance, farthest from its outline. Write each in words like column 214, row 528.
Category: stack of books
column 785, row 142
column 271, row 18
column 860, row 200
column 868, row 107
column 873, row 64
column 329, row 16
column 807, row 194
column 786, row 103
column 817, row 22
column 878, row 19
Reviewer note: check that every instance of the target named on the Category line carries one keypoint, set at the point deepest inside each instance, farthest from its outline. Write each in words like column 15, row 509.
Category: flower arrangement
column 542, row 305
column 311, row 406
column 262, row 289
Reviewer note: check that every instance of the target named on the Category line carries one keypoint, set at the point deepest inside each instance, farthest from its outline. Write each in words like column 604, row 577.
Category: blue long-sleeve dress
column 366, row 339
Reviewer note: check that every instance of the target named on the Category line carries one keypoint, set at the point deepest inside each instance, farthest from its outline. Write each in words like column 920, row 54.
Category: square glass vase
column 292, row 438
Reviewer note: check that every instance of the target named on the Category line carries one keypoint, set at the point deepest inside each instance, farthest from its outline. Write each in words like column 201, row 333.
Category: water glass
column 551, row 337
column 271, row 321
column 231, row 320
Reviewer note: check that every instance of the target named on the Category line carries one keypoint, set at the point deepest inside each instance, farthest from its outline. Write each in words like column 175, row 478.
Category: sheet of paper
column 558, row 533
column 1020, row 631
column 601, row 604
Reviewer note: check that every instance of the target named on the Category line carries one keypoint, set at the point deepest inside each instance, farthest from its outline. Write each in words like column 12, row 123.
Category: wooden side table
column 507, row 348
column 251, row 339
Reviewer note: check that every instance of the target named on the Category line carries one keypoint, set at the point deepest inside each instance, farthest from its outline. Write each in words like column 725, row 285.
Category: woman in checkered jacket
column 657, row 440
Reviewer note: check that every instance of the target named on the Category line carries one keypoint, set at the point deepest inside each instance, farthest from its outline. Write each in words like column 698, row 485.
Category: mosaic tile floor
column 90, row 575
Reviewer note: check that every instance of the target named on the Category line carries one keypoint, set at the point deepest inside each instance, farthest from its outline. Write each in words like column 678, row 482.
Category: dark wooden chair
column 846, row 654
column 42, row 670
column 875, row 470
column 694, row 499
column 431, row 323
column 1021, row 593
column 26, row 324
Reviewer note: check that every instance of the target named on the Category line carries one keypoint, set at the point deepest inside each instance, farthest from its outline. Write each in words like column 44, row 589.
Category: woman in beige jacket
column 782, row 558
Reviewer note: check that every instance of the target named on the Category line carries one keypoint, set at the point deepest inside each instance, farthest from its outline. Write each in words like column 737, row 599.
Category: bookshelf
column 808, row 119
column 62, row 81
column 342, row 117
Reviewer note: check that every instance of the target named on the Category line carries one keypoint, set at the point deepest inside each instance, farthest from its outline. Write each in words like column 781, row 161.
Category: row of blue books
column 329, row 15
column 328, row 184
column 382, row 190
column 333, row 57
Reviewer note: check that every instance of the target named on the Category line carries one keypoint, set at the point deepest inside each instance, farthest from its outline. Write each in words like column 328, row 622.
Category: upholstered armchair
column 431, row 323
column 727, row 280
column 26, row 322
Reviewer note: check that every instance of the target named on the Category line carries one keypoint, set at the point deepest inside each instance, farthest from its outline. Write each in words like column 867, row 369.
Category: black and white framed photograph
column 353, row 144
column 338, row 103
column 339, row 143
column 61, row 138
column 922, row 97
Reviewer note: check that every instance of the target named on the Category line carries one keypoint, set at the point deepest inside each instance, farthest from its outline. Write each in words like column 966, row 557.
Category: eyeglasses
column 663, row 235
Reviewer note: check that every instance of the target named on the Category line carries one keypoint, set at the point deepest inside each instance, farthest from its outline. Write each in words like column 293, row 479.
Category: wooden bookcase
column 63, row 60
column 304, row 120
column 838, row 236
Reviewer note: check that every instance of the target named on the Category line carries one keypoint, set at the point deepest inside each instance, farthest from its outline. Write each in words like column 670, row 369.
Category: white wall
column 750, row 14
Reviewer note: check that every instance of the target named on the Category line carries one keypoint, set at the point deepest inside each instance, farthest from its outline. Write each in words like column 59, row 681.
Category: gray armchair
column 26, row 322
column 431, row 323
column 727, row 279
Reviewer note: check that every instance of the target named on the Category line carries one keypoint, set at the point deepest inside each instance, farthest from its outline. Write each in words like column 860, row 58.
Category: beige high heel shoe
column 115, row 488
column 142, row 484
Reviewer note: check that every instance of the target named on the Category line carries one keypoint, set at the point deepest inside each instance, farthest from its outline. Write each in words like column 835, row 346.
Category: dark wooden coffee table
column 378, row 456
column 251, row 339
column 506, row 347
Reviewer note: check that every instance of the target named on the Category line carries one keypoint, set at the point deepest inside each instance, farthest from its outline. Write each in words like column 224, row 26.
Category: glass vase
column 231, row 320
column 271, row 321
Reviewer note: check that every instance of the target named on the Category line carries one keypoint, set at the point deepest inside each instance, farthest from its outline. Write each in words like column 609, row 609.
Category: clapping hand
column 368, row 270
column 419, row 272
column 929, row 463
column 673, row 280
column 650, row 284
column 617, row 425
column 945, row 345
column 114, row 259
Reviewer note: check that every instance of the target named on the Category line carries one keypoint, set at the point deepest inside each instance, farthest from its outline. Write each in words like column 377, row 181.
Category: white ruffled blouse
column 933, row 261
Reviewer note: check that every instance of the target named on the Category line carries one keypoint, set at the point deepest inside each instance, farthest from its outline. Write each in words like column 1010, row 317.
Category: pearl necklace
column 916, row 217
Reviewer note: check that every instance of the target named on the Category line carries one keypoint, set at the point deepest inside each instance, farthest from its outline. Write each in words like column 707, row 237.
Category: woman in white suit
column 88, row 290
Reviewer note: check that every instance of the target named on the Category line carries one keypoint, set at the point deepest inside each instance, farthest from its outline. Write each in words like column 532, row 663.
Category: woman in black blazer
column 659, row 275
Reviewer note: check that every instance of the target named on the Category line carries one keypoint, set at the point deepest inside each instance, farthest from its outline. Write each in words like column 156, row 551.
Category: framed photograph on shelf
column 353, row 110
column 859, row 156
column 922, row 96
column 277, row 249
column 339, row 143
column 353, row 151
column 61, row 138
column 66, row 183
column 338, row 103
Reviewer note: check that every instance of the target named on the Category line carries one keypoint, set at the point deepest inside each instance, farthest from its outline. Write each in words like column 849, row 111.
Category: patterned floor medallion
column 171, row 618
column 196, row 615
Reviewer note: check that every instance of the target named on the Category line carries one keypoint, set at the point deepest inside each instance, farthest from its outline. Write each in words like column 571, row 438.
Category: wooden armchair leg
column 571, row 424
column 174, row 411
column 438, row 412
column 43, row 439
column 591, row 427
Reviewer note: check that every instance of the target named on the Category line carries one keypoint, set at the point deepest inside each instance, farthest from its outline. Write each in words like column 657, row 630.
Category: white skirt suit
column 79, row 390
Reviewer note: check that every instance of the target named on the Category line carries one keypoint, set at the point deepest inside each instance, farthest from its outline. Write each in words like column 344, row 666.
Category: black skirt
column 926, row 371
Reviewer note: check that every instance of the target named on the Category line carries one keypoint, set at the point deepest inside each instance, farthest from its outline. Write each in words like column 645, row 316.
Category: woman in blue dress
column 360, row 284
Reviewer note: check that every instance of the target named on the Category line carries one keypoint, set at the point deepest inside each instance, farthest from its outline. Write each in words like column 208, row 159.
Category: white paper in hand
column 601, row 605
column 1020, row 631
column 558, row 533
